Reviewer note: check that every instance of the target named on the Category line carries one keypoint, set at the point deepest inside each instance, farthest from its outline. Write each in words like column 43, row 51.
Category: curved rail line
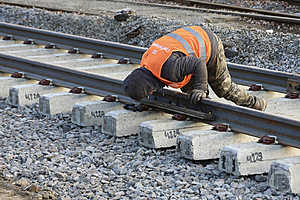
column 241, row 119
column 272, row 16
column 261, row 14
column 239, row 8
column 281, row 19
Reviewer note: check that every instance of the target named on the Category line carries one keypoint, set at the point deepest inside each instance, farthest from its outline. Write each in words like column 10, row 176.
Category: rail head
column 66, row 41
column 241, row 74
column 240, row 119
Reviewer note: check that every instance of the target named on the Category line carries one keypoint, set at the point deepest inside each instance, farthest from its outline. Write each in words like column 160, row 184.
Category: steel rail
column 47, row 8
column 281, row 19
column 241, row 119
column 66, row 77
column 269, row 79
column 66, row 41
column 232, row 7
column 61, row 76
column 241, row 74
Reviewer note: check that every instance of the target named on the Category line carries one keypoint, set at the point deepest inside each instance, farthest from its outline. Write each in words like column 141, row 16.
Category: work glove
column 197, row 95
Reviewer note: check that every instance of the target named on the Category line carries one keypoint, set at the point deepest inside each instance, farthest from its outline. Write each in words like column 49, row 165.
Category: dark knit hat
column 140, row 82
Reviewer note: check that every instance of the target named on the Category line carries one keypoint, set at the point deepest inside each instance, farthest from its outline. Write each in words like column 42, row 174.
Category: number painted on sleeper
column 170, row 134
column 97, row 113
column 256, row 156
column 32, row 96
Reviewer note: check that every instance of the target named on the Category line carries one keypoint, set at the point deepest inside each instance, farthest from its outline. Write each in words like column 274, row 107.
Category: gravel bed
column 57, row 159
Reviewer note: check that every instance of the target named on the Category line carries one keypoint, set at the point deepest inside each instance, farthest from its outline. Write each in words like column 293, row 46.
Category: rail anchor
column 77, row 90
column 179, row 117
column 268, row 139
column 256, row 87
column 18, row 75
column 293, row 89
column 74, row 51
column 223, row 127
column 8, row 37
column 124, row 61
column 29, row 41
column 134, row 108
column 98, row 55
column 46, row 82
column 50, row 46
column 110, row 98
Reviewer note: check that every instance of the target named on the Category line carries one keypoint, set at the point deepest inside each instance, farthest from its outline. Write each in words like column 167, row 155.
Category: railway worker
column 188, row 58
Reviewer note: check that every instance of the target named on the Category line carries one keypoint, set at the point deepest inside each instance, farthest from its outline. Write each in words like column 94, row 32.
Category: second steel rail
column 242, row 74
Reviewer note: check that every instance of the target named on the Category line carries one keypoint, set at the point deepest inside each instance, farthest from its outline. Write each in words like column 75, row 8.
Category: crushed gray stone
column 270, row 49
column 40, row 156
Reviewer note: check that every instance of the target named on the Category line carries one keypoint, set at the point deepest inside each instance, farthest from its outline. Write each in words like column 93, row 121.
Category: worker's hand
column 196, row 95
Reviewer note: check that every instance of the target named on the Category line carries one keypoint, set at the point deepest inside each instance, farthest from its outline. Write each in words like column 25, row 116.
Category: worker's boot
column 260, row 104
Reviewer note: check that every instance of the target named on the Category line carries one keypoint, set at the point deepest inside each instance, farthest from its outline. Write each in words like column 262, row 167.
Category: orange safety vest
column 192, row 40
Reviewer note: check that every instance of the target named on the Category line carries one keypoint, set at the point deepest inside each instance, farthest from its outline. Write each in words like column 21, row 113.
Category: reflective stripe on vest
column 187, row 46
column 184, row 43
column 200, row 42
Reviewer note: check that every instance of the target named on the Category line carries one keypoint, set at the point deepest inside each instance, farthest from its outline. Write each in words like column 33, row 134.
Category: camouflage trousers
column 220, row 80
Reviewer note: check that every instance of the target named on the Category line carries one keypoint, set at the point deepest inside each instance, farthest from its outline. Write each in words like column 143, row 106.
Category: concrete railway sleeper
column 35, row 74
